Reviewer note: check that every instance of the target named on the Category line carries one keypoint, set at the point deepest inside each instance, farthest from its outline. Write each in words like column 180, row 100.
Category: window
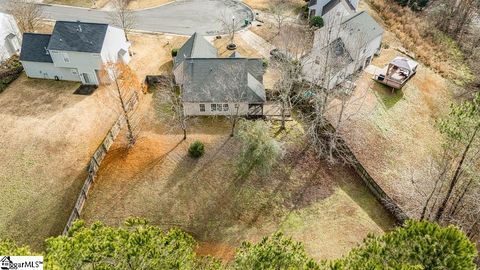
column 66, row 59
column 202, row 107
column 74, row 71
column 213, row 107
column 225, row 107
column 219, row 107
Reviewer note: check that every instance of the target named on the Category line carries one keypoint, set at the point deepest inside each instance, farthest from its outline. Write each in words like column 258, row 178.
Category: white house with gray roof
column 10, row 37
column 332, row 10
column 75, row 51
column 341, row 50
column 218, row 86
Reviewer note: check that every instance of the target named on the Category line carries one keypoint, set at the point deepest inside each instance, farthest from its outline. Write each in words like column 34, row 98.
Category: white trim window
column 74, row 71
column 225, row 107
column 213, row 107
column 202, row 107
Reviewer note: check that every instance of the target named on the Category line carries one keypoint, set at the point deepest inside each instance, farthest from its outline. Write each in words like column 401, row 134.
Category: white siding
column 8, row 26
column 48, row 71
column 88, row 63
column 194, row 109
column 114, row 42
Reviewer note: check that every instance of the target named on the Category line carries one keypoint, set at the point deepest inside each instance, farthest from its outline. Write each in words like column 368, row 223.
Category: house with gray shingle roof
column 332, row 10
column 75, row 51
column 340, row 50
column 211, row 85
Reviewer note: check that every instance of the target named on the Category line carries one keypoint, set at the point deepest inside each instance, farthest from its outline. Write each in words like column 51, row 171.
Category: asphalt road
column 182, row 17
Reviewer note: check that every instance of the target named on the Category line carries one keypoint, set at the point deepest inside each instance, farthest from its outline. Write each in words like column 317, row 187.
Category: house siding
column 48, row 71
column 83, row 62
column 193, row 109
column 114, row 42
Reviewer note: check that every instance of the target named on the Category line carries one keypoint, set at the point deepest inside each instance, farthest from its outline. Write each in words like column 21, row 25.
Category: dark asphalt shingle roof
column 223, row 80
column 195, row 47
column 78, row 36
column 362, row 23
column 34, row 48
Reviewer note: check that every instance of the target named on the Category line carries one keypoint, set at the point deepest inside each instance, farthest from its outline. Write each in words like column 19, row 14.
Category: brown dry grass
column 143, row 4
column 395, row 142
column 265, row 4
column 327, row 208
column 79, row 3
column 48, row 135
column 242, row 47
column 417, row 36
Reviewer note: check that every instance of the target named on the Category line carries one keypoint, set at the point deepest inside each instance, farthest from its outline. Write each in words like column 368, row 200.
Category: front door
column 86, row 78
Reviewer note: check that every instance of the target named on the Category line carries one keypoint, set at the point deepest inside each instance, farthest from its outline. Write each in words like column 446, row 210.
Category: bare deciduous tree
column 123, row 84
column 122, row 16
column 27, row 14
column 329, row 102
column 230, row 24
column 170, row 93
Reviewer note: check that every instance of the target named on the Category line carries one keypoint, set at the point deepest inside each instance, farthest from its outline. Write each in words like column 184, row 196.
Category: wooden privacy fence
column 96, row 160
column 377, row 191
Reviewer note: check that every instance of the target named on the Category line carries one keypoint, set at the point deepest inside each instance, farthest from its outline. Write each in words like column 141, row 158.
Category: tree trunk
column 455, row 178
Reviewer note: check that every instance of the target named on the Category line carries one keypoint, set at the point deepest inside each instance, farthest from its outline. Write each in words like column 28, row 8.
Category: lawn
column 79, row 3
column 327, row 207
column 394, row 134
column 47, row 136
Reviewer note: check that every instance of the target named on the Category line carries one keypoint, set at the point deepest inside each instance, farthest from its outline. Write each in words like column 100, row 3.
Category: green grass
column 386, row 95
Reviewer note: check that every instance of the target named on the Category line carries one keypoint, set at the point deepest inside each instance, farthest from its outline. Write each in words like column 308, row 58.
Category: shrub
column 196, row 149
column 265, row 63
column 316, row 21
column 174, row 52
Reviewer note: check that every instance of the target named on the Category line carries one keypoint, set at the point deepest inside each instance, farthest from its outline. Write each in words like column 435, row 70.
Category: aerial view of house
column 244, row 134
column 75, row 51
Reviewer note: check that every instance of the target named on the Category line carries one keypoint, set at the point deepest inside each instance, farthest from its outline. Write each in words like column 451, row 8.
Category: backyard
column 48, row 135
column 302, row 196
column 393, row 132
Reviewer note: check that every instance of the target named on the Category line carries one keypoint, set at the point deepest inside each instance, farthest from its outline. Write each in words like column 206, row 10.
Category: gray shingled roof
column 34, row 48
column 195, row 47
column 223, row 80
column 363, row 23
column 78, row 36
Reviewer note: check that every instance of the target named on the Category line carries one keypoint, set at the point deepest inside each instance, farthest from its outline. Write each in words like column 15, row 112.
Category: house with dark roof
column 341, row 50
column 75, row 51
column 10, row 37
column 211, row 85
column 332, row 10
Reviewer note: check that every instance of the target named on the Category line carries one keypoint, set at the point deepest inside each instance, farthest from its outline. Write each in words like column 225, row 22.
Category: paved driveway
column 181, row 17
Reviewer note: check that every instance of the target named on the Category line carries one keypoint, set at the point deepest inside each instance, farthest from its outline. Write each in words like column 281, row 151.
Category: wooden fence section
column 96, row 160
column 377, row 191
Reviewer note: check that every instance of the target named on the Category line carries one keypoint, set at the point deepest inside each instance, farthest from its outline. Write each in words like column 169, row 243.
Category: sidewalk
column 257, row 42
